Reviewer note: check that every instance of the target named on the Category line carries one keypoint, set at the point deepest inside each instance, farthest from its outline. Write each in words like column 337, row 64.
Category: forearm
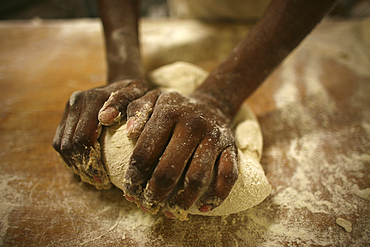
column 283, row 26
column 120, row 22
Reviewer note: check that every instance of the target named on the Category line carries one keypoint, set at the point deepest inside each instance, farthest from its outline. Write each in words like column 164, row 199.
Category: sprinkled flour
column 316, row 157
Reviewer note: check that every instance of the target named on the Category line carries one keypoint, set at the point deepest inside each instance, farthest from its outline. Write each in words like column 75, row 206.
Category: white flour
column 9, row 198
column 319, row 169
column 315, row 180
column 251, row 186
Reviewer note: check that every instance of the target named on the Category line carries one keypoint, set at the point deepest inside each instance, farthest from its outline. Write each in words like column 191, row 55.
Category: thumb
column 113, row 109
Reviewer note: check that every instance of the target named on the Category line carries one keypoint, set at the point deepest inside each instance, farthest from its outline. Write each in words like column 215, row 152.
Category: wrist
column 120, row 22
column 213, row 101
column 224, row 90
column 141, row 86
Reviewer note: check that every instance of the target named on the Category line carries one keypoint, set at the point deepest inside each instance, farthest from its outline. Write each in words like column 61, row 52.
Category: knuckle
column 136, row 106
column 132, row 91
column 89, row 95
column 155, row 92
column 92, row 97
column 135, row 86
column 215, row 133
column 139, row 160
column 167, row 113
column 119, row 84
column 66, row 148
column 119, row 98
column 195, row 123
column 229, row 174
column 133, row 181
column 196, row 181
column 56, row 145
column 79, row 139
column 164, row 179
column 95, row 95
column 133, row 106
column 75, row 98
column 82, row 139
column 141, row 166
column 169, row 97
column 144, row 104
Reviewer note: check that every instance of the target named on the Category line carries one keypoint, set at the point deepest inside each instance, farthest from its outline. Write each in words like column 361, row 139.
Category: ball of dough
column 251, row 187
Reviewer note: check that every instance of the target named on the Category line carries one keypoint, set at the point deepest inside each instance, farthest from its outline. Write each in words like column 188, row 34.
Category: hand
column 185, row 154
column 76, row 138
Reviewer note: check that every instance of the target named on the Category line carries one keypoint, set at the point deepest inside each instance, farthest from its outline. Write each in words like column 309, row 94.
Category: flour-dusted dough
column 252, row 186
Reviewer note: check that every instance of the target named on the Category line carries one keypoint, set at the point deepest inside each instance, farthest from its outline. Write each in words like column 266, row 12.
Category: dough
column 252, row 186
column 345, row 224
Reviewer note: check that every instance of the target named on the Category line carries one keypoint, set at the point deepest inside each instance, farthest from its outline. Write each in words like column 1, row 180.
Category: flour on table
column 364, row 194
column 252, row 186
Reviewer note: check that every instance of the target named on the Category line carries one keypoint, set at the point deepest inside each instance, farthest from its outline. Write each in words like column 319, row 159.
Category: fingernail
column 130, row 198
column 97, row 179
column 205, row 208
column 130, row 125
column 169, row 215
column 108, row 115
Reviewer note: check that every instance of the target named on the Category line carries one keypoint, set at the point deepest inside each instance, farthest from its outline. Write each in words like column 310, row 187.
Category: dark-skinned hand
column 76, row 138
column 185, row 153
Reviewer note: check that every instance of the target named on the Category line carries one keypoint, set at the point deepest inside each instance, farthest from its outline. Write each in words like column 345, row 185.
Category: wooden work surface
column 315, row 116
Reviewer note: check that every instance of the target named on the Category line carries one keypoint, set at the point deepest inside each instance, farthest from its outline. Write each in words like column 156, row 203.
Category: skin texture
column 186, row 151
column 186, row 146
column 76, row 138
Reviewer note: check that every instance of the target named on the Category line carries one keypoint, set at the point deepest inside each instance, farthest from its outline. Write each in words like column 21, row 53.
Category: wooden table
column 314, row 111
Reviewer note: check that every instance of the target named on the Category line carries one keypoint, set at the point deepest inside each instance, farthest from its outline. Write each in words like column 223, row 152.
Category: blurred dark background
column 55, row 9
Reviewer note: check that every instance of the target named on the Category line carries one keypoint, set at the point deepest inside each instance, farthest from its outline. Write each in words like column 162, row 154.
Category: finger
column 86, row 139
column 67, row 147
column 60, row 130
column 115, row 107
column 147, row 151
column 172, row 164
column 226, row 176
column 198, row 177
column 87, row 129
column 138, row 113
column 58, row 137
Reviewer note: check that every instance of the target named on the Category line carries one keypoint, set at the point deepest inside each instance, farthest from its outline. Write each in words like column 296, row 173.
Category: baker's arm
column 76, row 138
column 283, row 26
column 186, row 153
column 120, row 22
